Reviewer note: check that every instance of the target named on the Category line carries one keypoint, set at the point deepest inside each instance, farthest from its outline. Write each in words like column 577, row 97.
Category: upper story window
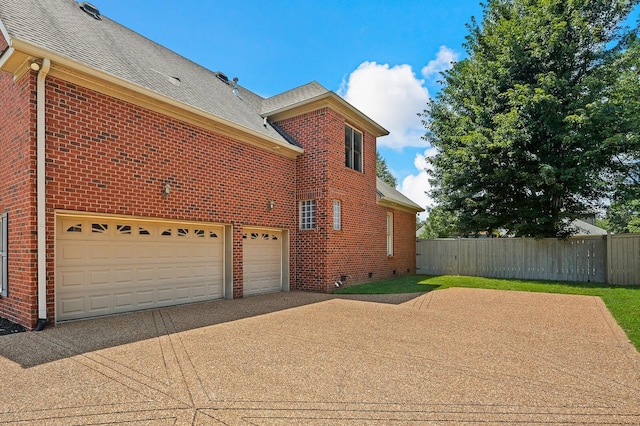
column 352, row 148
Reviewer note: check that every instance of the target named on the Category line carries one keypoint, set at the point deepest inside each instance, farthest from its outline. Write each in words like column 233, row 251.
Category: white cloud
column 444, row 58
column 392, row 97
column 417, row 186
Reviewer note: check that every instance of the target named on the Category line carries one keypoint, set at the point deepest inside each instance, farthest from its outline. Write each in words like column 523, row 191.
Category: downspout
column 41, row 197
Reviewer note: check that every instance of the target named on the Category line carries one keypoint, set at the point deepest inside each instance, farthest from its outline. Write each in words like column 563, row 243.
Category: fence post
column 607, row 263
column 458, row 271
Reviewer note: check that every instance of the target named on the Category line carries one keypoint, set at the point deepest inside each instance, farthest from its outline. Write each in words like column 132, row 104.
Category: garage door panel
column 199, row 291
column 183, row 272
column 73, row 253
column 146, row 252
column 146, row 275
column 165, row 295
column 99, row 303
column 72, row 279
column 124, row 300
column 183, row 293
column 99, row 277
column 72, row 306
column 125, row 252
column 145, row 298
column 96, row 249
column 110, row 265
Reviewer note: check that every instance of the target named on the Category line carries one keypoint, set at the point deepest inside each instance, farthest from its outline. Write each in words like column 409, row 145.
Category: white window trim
column 337, row 215
column 389, row 234
column 4, row 241
column 308, row 217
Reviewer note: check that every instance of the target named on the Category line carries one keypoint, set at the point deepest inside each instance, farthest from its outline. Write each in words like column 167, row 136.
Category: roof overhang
column 328, row 100
column 19, row 56
column 397, row 205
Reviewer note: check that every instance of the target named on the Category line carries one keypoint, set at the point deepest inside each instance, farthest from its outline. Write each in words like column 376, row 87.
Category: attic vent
column 90, row 9
column 222, row 77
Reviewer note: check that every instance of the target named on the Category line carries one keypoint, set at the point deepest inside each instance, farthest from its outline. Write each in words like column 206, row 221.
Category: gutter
column 41, row 196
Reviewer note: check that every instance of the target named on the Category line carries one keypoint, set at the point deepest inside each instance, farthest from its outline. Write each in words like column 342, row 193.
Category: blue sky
column 382, row 56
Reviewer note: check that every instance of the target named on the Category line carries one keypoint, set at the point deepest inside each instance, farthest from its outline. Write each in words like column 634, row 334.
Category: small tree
column 439, row 224
column 382, row 171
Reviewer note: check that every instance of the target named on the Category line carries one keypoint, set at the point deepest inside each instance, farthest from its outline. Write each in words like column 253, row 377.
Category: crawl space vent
column 90, row 10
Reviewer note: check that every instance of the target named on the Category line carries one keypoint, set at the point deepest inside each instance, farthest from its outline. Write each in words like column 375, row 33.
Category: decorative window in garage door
column 260, row 236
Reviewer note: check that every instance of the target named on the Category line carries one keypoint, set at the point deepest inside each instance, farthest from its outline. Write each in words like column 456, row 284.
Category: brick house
column 132, row 178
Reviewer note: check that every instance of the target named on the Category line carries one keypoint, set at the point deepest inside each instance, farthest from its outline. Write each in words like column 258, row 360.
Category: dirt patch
column 10, row 327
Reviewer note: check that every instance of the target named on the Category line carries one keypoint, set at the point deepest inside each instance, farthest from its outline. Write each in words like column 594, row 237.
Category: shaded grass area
column 622, row 301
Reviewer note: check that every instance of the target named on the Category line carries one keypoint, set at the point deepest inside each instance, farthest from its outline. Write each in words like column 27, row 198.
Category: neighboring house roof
column 585, row 228
column 393, row 198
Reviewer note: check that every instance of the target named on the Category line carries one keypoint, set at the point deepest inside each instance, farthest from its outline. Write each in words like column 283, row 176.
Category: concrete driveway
column 457, row 356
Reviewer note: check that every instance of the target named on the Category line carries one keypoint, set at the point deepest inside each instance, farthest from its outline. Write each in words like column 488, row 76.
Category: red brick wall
column 17, row 194
column 403, row 260
column 108, row 156
column 358, row 251
column 308, row 265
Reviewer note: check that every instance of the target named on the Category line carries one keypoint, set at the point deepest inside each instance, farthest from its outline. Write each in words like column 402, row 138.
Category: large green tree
column 519, row 125
column 622, row 111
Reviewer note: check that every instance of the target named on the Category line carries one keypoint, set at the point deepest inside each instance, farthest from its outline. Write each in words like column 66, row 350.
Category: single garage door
column 108, row 265
column 262, row 261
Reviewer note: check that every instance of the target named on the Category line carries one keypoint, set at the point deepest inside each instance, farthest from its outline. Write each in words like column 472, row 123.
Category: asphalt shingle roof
column 388, row 193
column 292, row 97
column 60, row 26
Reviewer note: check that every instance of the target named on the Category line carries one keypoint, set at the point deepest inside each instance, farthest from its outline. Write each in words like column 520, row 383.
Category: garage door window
column 4, row 240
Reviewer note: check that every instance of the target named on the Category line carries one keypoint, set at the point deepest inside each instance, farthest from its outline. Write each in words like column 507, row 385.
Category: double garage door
column 107, row 265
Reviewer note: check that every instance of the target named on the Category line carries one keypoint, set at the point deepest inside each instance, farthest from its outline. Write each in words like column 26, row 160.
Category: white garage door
column 112, row 265
column 262, row 261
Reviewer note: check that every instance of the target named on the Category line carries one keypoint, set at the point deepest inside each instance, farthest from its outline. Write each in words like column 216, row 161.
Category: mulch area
column 9, row 327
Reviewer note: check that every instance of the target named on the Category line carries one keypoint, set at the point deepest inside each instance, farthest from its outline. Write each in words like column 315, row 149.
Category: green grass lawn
column 623, row 302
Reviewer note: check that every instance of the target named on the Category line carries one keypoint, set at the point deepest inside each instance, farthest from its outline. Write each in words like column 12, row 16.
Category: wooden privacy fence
column 613, row 259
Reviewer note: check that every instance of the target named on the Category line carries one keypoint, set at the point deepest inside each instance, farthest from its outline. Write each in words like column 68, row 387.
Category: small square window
column 308, row 214
column 337, row 215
